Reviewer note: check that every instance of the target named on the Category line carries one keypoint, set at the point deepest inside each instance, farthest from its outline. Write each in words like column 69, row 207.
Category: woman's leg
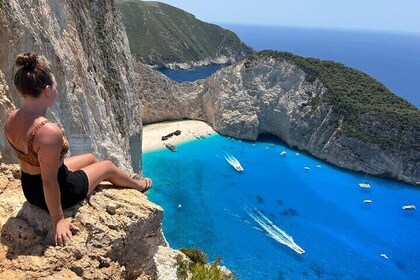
column 106, row 170
column 75, row 163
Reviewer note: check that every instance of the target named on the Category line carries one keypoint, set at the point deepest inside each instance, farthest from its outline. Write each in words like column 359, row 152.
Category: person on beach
column 49, row 180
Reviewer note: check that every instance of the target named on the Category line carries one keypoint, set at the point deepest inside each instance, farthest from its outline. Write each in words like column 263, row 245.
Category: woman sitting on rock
column 49, row 180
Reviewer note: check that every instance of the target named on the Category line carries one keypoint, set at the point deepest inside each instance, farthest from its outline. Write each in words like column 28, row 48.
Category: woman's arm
column 48, row 142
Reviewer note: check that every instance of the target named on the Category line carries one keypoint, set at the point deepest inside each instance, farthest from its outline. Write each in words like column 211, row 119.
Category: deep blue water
column 206, row 201
column 391, row 58
column 193, row 74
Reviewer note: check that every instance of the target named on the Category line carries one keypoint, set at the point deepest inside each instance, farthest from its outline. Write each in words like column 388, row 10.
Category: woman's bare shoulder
column 11, row 117
column 49, row 134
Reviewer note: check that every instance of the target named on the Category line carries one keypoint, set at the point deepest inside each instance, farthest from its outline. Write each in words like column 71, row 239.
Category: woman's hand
column 63, row 232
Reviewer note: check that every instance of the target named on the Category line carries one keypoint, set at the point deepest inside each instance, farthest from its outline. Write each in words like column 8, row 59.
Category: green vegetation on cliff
column 159, row 33
column 369, row 110
column 198, row 269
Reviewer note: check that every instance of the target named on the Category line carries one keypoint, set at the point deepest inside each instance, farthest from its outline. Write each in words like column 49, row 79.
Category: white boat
column 367, row 201
column 234, row 162
column 283, row 153
column 409, row 207
column 170, row 147
column 384, row 256
column 306, row 168
column 274, row 231
column 365, row 185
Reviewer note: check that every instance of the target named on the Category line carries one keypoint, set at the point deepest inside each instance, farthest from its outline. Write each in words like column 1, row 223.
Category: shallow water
column 206, row 201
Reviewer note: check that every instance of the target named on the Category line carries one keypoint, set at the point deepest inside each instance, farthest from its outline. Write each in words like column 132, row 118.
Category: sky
column 387, row 15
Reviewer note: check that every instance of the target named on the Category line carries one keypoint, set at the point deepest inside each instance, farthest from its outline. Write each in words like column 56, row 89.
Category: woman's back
column 21, row 131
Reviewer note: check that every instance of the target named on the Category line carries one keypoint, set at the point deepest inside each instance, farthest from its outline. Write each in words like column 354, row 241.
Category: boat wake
column 274, row 231
column 234, row 162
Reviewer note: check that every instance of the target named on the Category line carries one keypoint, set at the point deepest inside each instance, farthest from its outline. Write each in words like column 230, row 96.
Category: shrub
column 195, row 255
column 198, row 269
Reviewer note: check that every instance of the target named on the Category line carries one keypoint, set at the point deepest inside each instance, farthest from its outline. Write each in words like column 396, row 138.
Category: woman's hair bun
column 27, row 60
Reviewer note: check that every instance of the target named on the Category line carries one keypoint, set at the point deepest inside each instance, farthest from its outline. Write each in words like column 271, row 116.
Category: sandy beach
column 152, row 133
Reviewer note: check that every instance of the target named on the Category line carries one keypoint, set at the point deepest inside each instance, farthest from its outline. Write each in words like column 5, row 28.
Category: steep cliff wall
column 87, row 47
column 265, row 94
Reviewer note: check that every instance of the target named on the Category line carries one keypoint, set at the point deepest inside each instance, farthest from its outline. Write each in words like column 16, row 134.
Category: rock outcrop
column 120, row 237
column 276, row 96
column 86, row 45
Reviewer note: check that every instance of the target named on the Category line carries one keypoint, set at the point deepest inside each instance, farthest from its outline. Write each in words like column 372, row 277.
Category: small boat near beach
column 409, row 207
column 170, row 147
column 365, row 185
column 234, row 162
column 283, row 153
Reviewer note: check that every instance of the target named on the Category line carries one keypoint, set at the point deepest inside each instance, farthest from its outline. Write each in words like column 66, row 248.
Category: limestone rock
column 87, row 47
column 271, row 96
column 127, row 244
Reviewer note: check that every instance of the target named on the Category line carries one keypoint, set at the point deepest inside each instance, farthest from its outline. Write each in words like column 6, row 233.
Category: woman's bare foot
column 144, row 184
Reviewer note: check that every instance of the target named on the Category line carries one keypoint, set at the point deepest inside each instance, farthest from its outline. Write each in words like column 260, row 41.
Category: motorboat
column 234, row 162
column 273, row 230
column 365, row 185
column 384, row 256
column 409, row 207
column 283, row 153
column 367, row 201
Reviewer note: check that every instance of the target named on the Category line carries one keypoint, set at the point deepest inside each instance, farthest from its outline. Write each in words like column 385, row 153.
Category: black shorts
column 74, row 187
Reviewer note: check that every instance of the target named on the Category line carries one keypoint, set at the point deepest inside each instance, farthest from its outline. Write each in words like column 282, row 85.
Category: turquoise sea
column 207, row 204
column 249, row 218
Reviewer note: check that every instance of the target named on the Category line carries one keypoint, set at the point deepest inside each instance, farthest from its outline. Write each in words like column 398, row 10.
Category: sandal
column 148, row 181
column 148, row 184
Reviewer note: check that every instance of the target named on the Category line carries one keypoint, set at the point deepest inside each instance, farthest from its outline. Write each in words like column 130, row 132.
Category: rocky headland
column 335, row 113
column 167, row 37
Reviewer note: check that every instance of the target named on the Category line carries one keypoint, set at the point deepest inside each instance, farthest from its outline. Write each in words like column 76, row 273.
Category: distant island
column 167, row 37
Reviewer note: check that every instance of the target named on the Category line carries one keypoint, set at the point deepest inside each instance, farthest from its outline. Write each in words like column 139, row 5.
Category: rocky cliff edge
column 120, row 237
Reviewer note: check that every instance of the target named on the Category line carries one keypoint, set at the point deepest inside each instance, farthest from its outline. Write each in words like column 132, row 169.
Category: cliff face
column 165, row 36
column 86, row 45
column 98, row 108
column 267, row 95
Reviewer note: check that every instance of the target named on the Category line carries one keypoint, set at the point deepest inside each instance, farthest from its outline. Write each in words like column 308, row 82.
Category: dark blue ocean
column 250, row 218
column 192, row 74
